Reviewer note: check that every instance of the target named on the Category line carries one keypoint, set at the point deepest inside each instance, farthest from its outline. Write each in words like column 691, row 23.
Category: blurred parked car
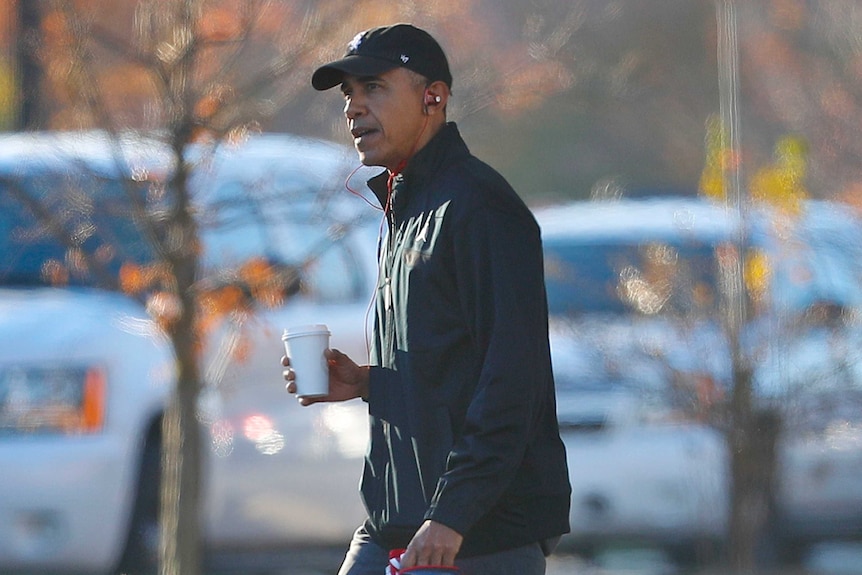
column 85, row 374
column 640, row 473
column 643, row 366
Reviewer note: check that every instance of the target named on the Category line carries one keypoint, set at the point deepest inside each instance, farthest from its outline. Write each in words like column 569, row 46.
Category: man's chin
column 369, row 160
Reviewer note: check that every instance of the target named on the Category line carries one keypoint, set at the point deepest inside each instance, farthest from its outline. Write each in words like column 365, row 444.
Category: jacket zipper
column 389, row 304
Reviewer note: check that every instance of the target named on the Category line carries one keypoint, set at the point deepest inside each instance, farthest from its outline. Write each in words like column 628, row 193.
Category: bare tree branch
column 95, row 101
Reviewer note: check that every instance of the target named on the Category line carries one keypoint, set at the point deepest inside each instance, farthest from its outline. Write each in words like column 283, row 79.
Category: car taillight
column 69, row 400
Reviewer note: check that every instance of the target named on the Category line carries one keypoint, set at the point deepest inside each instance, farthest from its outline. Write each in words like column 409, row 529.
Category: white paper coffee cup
column 305, row 346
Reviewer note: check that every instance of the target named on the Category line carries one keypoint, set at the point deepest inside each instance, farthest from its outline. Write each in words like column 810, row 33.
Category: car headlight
column 51, row 399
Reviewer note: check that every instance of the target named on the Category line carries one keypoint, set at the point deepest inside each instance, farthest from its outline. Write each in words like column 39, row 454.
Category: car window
column 287, row 221
column 793, row 262
column 58, row 228
column 651, row 278
column 282, row 222
column 335, row 275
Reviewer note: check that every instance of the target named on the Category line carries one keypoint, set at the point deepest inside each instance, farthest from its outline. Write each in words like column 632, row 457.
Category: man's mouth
column 359, row 133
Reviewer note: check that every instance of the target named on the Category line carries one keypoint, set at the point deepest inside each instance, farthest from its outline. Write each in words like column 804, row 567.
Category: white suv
column 642, row 365
column 85, row 374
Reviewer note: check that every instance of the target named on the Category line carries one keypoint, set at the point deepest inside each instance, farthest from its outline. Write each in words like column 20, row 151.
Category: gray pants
column 365, row 557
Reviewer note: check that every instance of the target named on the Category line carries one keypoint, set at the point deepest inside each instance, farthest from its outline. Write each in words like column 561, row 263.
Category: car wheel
column 140, row 556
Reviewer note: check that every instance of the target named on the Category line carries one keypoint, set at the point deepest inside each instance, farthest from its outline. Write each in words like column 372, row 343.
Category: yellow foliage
column 757, row 274
column 771, row 185
column 7, row 95
column 719, row 160
column 782, row 184
column 711, row 183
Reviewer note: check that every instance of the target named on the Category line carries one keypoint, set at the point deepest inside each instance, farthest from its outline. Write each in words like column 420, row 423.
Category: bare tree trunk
column 752, row 440
column 181, row 495
column 180, row 511
column 31, row 110
column 752, row 449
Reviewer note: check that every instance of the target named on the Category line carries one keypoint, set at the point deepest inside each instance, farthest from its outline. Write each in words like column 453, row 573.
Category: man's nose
column 352, row 108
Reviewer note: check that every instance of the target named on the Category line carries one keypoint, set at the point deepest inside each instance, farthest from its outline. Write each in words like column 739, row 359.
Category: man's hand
column 346, row 379
column 433, row 544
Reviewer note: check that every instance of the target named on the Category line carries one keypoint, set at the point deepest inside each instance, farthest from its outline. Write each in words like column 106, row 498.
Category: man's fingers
column 427, row 557
column 408, row 559
column 433, row 544
column 448, row 558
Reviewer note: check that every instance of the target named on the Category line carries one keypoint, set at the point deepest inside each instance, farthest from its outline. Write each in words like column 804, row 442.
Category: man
column 465, row 465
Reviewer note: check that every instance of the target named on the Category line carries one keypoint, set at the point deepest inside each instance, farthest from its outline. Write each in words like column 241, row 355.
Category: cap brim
column 332, row 74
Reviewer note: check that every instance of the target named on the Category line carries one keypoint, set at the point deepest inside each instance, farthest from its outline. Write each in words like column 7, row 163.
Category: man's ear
column 436, row 96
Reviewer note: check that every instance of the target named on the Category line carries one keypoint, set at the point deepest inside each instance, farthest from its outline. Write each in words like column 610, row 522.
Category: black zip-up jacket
column 461, row 395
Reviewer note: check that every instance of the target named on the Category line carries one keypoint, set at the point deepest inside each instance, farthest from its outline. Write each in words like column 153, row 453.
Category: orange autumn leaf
column 131, row 278
column 263, row 281
column 55, row 273
column 243, row 349
column 219, row 25
column 134, row 278
column 207, row 107
column 55, row 27
column 256, row 271
column 206, row 322
column 223, row 300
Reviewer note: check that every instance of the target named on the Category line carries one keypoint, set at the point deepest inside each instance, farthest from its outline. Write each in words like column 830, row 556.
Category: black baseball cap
column 381, row 49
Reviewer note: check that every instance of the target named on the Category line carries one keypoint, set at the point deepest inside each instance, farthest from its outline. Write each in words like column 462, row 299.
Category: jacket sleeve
column 499, row 272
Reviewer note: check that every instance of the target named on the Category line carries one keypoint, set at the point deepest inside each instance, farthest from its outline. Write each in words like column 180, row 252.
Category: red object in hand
column 394, row 567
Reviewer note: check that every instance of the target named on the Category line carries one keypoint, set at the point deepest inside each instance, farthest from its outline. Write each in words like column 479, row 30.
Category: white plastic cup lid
column 313, row 329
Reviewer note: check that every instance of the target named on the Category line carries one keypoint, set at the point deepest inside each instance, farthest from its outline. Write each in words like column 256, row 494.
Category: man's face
column 385, row 116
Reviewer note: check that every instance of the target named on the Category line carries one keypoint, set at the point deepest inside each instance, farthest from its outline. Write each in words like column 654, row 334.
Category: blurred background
column 696, row 168
column 564, row 97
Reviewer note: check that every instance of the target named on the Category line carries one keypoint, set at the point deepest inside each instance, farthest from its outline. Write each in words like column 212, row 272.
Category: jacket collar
column 445, row 147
